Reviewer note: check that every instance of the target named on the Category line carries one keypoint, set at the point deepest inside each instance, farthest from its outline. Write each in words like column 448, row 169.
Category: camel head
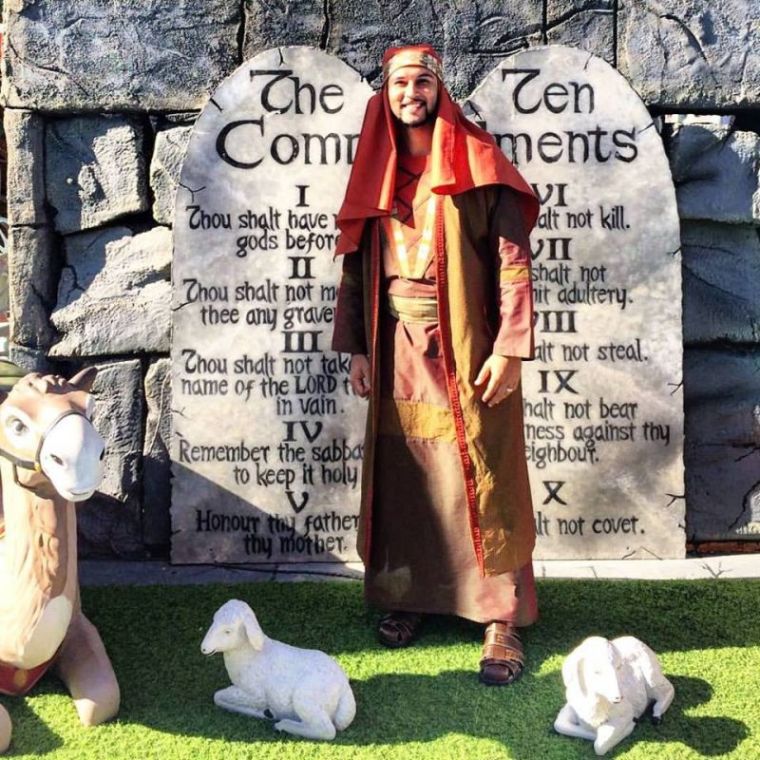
column 46, row 432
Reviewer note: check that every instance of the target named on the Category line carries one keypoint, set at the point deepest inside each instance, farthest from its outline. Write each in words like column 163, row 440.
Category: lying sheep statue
column 304, row 690
column 609, row 685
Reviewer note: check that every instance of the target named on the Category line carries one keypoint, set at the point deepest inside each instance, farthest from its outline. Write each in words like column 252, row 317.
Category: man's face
column 413, row 95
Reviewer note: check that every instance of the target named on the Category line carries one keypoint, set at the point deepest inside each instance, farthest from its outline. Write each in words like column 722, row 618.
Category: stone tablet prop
column 267, row 436
column 603, row 399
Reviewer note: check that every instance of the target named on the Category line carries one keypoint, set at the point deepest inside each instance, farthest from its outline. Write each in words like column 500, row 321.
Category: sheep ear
column 253, row 630
column 572, row 672
column 568, row 669
column 580, row 674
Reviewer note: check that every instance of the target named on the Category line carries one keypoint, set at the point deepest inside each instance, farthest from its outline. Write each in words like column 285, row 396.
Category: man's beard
column 428, row 118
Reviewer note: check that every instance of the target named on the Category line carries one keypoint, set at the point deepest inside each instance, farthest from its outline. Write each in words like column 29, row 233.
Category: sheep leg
column 6, row 729
column 236, row 700
column 315, row 722
column 568, row 723
column 664, row 697
column 321, row 728
column 84, row 667
column 610, row 734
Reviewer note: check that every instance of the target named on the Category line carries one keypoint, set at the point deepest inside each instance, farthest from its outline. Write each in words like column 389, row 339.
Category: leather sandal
column 398, row 629
column 503, row 659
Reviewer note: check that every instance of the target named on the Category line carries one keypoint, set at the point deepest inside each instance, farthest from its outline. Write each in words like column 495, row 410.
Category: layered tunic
column 446, row 521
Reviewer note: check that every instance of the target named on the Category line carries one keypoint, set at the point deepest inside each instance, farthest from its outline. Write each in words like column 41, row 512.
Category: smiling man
column 413, row 96
column 435, row 306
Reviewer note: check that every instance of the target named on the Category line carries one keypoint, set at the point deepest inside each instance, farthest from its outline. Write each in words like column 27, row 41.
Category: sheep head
column 234, row 625
column 593, row 668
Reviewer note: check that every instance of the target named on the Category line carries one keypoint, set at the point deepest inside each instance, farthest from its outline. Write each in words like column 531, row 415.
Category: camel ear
column 84, row 379
column 253, row 629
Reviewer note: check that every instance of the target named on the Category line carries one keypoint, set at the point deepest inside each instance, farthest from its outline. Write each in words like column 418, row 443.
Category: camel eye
column 17, row 427
column 56, row 459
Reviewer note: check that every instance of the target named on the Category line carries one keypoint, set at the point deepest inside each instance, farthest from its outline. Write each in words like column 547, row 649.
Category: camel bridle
column 34, row 464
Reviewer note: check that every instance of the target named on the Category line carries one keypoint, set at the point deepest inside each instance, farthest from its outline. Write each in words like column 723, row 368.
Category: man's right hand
column 358, row 375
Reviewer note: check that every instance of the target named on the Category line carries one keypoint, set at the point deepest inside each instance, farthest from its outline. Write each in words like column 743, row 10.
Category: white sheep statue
column 304, row 690
column 609, row 685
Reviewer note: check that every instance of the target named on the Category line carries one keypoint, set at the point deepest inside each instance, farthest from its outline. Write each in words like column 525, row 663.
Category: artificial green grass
column 422, row 702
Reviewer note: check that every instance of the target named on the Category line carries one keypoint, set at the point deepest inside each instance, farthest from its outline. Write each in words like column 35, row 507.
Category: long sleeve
column 348, row 331
column 509, row 239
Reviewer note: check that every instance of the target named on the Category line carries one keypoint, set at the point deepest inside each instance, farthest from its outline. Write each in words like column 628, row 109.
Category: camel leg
column 84, row 667
column 5, row 729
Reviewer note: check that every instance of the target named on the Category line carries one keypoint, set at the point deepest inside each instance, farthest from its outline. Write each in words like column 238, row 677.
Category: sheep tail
column 346, row 709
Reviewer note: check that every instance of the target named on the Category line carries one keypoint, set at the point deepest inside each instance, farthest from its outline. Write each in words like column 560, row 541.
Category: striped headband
column 423, row 56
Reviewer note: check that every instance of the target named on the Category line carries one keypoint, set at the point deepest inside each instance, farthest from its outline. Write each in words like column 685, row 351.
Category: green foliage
column 423, row 702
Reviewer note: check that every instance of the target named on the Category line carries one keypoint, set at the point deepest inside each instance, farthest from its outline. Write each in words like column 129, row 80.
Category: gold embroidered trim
column 519, row 273
column 415, row 419
column 424, row 247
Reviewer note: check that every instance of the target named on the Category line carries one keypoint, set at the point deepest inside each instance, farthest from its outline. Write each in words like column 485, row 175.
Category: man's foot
column 398, row 629
column 503, row 658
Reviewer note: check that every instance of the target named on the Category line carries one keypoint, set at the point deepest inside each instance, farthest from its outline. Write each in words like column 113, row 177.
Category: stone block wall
column 716, row 168
column 100, row 98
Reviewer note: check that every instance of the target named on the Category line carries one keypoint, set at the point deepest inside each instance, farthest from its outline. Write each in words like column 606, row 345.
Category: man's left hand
column 501, row 374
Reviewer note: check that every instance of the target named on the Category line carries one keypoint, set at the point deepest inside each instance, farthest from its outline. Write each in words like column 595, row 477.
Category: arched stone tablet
column 267, row 438
column 603, row 401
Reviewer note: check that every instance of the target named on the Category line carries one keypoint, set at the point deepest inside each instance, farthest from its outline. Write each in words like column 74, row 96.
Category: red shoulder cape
column 464, row 156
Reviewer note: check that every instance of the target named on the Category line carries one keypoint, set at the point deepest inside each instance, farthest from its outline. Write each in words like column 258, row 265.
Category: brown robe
column 457, row 468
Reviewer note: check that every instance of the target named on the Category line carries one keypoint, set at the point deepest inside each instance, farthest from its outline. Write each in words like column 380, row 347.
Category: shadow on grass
column 398, row 708
column 30, row 732
column 708, row 735
column 153, row 636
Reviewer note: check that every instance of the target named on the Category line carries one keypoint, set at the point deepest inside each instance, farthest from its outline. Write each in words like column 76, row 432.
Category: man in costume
column 436, row 308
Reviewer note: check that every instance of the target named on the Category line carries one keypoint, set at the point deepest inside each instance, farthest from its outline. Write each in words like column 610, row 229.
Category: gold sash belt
column 413, row 310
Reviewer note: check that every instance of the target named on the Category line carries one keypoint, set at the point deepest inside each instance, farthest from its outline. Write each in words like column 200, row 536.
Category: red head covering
column 463, row 156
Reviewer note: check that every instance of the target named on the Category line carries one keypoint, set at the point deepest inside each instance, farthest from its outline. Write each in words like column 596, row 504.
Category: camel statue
column 50, row 457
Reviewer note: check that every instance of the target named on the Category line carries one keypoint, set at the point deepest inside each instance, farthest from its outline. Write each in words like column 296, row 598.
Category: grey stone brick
column 721, row 282
column 25, row 138
column 94, row 55
column 109, row 523
column 716, row 172
column 33, row 270
column 693, row 53
column 114, row 293
column 94, row 171
column 165, row 168
column 722, row 453
column 31, row 359
column 156, row 463
column 471, row 37
column 585, row 24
